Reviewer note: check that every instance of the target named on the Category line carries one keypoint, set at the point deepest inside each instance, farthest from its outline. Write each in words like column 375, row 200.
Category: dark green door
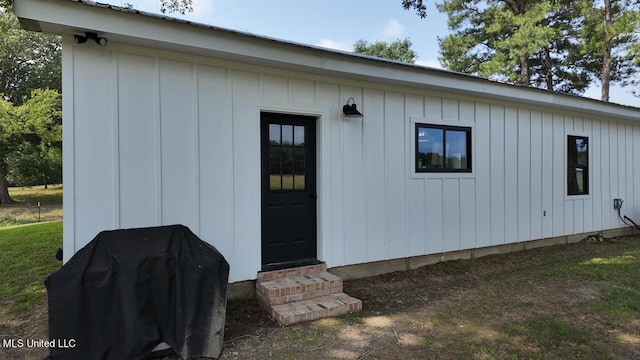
column 288, row 188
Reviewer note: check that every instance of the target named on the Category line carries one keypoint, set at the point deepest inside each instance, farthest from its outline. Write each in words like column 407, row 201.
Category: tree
column 611, row 42
column 30, row 141
column 528, row 42
column 9, row 142
column 29, row 165
column 399, row 50
column 38, row 157
column 418, row 5
column 178, row 6
column 28, row 60
column 559, row 66
column 171, row 6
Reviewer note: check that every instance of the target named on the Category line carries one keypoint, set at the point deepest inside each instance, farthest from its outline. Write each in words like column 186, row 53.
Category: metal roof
column 360, row 57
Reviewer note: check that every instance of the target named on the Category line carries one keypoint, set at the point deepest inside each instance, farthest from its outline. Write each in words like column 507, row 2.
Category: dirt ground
column 524, row 305
column 497, row 307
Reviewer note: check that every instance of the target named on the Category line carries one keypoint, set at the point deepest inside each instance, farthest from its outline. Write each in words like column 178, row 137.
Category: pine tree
column 522, row 42
column 610, row 31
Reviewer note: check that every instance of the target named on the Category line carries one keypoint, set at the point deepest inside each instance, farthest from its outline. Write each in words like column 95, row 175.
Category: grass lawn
column 25, row 210
column 562, row 302
column 27, row 258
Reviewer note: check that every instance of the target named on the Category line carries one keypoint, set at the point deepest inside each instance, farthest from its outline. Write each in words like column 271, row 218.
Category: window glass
column 456, row 149
column 287, row 134
column 287, row 168
column 298, row 158
column 581, row 149
column 287, row 157
column 577, row 165
column 298, row 181
column 430, row 148
column 441, row 148
column 580, row 179
column 274, row 134
column 298, row 135
column 274, row 168
column 298, row 168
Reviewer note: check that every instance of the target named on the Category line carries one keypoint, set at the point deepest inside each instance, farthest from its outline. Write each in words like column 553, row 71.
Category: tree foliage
column 560, row 45
column 418, row 5
column 610, row 49
column 176, row 6
column 514, row 41
column 28, row 60
column 31, row 139
column 38, row 158
column 399, row 50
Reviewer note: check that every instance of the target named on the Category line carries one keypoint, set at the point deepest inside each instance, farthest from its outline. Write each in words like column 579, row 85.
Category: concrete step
column 297, row 287
column 298, row 271
column 314, row 309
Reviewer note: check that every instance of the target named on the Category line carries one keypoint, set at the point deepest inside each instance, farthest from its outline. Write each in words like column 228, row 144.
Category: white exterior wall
column 155, row 138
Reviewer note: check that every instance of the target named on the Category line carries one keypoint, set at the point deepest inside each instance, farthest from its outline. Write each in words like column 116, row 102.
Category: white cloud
column 393, row 29
column 343, row 45
column 429, row 63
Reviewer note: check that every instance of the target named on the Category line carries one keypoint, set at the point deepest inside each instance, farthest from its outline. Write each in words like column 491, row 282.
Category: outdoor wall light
column 351, row 111
column 81, row 39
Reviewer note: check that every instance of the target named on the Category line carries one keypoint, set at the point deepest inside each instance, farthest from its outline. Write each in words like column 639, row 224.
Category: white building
column 175, row 122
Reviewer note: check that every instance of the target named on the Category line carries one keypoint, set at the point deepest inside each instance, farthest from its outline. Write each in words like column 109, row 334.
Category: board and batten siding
column 162, row 138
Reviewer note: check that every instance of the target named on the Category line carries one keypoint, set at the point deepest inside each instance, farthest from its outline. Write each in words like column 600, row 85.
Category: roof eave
column 143, row 29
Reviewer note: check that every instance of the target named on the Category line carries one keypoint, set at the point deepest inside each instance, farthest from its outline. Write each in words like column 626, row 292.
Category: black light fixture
column 81, row 39
column 351, row 111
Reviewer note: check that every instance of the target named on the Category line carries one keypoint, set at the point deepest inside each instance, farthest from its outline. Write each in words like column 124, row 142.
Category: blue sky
column 336, row 24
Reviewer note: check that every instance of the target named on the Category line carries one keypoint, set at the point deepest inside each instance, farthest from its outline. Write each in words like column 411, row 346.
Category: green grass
column 546, row 330
column 26, row 259
column 618, row 304
column 619, row 297
column 622, row 269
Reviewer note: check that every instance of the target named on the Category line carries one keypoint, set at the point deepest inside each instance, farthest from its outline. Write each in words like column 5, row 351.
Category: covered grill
column 129, row 290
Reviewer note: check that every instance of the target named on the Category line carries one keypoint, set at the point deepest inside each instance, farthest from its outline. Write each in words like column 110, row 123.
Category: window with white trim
column 577, row 165
column 442, row 148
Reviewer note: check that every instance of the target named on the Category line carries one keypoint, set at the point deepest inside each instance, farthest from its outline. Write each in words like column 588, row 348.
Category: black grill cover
column 129, row 290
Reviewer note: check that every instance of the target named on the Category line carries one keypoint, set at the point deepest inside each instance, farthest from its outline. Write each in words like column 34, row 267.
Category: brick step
column 298, row 271
column 297, row 288
column 314, row 309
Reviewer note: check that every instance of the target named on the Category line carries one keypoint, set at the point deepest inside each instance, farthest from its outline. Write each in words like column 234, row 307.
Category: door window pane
column 275, row 167
column 299, row 183
column 298, row 135
column 287, row 157
column 287, row 168
column 287, row 134
column 274, row 134
column 299, row 168
column 298, row 158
